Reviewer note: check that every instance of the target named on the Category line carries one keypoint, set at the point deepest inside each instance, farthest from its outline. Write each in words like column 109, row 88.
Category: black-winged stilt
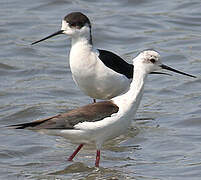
column 100, row 74
column 101, row 121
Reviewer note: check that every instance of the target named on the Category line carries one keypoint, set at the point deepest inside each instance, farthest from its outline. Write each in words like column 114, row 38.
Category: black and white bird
column 101, row 121
column 100, row 74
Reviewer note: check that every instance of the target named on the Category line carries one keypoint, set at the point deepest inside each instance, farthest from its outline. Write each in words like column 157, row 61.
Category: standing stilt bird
column 100, row 74
column 101, row 121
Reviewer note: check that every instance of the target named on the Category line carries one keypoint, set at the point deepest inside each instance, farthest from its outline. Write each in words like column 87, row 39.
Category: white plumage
column 98, row 122
column 100, row 74
column 92, row 76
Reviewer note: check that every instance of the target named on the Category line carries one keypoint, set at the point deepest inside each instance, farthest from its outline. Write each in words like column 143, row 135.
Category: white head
column 74, row 25
column 150, row 61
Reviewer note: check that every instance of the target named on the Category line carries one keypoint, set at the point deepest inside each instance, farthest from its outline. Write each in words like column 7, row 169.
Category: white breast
column 92, row 76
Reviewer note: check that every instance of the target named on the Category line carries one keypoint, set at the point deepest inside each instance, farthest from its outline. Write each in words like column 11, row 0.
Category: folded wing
column 89, row 113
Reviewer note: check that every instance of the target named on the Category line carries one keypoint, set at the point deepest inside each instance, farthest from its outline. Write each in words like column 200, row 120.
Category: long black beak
column 174, row 70
column 161, row 73
column 52, row 35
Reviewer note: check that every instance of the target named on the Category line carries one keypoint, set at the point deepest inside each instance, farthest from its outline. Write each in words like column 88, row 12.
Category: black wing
column 91, row 113
column 116, row 63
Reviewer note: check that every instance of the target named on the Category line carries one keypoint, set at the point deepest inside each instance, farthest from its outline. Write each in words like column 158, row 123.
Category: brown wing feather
column 90, row 113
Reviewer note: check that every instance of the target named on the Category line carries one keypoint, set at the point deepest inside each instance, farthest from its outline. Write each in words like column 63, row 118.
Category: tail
column 23, row 125
column 30, row 125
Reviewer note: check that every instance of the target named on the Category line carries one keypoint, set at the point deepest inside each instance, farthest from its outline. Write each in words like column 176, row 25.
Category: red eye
column 152, row 60
column 72, row 24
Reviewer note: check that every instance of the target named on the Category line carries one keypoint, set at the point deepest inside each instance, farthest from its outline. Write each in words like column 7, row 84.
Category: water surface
column 36, row 82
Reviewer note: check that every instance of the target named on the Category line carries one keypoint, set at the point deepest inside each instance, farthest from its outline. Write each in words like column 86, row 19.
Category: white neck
column 80, row 46
column 129, row 102
column 79, row 55
column 84, row 39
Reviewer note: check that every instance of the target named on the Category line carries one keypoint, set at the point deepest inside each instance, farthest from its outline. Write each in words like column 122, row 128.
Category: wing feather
column 89, row 113
column 116, row 63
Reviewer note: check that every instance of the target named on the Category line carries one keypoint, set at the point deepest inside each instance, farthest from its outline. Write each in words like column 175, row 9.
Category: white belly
column 93, row 132
column 95, row 79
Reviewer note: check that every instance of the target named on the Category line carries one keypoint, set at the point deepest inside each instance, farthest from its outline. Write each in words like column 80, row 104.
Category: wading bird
column 101, row 121
column 100, row 74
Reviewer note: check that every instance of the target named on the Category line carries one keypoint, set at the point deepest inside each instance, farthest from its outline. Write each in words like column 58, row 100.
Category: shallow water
column 35, row 82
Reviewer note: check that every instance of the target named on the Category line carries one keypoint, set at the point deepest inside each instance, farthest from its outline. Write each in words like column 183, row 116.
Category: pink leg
column 75, row 152
column 97, row 158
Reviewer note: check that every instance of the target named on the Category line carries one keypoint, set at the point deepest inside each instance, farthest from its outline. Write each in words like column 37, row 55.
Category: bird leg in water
column 75, row 152
column 97, row 158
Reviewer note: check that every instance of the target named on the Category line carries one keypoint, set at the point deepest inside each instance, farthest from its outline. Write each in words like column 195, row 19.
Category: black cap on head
column 74, row 19
column 77, row 19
